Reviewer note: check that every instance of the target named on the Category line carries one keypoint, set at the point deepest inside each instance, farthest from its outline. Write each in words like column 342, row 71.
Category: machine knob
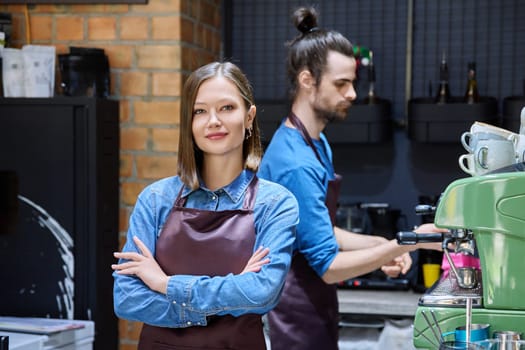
column 425, row 209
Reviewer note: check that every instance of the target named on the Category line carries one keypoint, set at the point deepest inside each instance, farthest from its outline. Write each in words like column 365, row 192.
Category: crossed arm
column 144, row 266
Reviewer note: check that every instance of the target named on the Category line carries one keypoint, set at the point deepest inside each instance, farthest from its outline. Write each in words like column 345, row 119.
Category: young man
column 321, row 70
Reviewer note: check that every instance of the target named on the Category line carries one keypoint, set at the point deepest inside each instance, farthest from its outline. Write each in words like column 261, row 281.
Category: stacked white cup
column 490, row 148
column 520, row 144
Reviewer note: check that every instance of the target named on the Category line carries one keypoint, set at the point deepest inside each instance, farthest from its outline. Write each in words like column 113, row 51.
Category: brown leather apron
column 307, row 317
column 212, row 243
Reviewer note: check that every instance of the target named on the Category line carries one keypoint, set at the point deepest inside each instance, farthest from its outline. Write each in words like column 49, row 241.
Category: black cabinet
column 59, row 157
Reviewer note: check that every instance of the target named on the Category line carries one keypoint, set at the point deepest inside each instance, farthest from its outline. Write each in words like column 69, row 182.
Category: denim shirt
column 190, row 298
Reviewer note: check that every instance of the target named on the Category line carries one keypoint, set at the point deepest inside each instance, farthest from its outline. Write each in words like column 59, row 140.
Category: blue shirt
column 191, row 298
column 289, row 161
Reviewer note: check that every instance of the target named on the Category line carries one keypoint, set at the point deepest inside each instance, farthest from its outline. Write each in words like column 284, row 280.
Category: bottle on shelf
column 2, row 45
column 443, row 95
column 371, row 97
column 471, row 93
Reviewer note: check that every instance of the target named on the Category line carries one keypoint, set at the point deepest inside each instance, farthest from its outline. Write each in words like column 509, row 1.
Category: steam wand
column 450, row 262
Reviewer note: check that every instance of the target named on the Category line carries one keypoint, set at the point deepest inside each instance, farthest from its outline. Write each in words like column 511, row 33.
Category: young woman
column 208, row 251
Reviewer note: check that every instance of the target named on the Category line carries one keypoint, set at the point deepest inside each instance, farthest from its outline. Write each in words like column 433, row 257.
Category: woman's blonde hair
column 189, row 155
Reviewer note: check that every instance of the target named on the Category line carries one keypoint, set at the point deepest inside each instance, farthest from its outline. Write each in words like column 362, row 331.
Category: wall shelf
column 365, row 123
column 444, row 123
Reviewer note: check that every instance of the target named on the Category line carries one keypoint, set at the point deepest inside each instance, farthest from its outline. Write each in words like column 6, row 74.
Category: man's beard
column 337, row 113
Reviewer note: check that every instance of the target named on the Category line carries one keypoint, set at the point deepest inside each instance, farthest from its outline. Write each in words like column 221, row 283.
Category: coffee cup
column 480, row 127
column 470, row 140
column 478, row 332
column 467, row 164
column 520, row 149
column 493, row 154
column 489, row 155
column 507, row 336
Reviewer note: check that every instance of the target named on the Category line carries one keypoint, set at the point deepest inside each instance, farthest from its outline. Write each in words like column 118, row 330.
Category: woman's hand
column 257, row 260
column 144, row 266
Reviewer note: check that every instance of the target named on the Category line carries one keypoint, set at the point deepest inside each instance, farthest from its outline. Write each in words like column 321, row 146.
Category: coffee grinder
column 485, row 216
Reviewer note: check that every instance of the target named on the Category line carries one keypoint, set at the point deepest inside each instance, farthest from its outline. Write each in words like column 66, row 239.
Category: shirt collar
column 234, row 190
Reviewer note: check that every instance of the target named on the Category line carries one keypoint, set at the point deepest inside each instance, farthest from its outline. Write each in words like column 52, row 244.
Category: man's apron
column 212, row 243
column 307, row 315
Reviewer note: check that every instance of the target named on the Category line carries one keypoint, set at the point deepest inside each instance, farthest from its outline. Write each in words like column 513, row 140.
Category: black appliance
column 59, row 160
column 377, row 219
column 6, row 26
column 426, row 210
column 84, row 72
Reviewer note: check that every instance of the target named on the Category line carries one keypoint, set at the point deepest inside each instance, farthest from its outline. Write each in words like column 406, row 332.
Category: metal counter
column 378, row 302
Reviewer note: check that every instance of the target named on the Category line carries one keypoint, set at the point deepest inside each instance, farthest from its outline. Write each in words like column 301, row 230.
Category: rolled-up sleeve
column 315, row 238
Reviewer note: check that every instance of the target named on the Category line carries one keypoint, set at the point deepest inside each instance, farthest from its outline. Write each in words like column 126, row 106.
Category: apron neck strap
column 298, row 124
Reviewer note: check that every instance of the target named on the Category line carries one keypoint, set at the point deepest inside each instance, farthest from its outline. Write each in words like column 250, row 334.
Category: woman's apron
column 212, row 243
column 307, row 315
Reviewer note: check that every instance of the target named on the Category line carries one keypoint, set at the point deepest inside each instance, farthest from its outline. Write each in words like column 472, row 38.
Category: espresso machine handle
column 411, row 238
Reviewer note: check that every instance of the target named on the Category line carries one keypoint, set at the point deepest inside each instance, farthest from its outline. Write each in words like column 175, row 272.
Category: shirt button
column 174, row 302
column 183, row 304
column 188, row 323
column 213, row 197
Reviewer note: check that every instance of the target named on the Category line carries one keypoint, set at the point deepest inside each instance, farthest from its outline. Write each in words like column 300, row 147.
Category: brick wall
column 150, row 48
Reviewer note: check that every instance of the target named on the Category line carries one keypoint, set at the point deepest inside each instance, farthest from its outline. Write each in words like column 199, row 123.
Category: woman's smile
column 216, row 135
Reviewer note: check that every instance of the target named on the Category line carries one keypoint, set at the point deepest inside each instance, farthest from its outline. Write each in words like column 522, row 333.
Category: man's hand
column 430, row 228
column 144, row 266
column 400, row 265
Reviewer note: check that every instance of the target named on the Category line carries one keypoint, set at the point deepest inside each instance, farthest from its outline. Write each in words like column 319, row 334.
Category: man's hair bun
column 305, row 19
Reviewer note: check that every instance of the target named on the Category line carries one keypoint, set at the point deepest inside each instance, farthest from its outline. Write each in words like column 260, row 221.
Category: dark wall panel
column 492, row 33
column 260, row 30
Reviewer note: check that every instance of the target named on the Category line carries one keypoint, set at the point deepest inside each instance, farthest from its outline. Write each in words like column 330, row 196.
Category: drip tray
column 447, row 292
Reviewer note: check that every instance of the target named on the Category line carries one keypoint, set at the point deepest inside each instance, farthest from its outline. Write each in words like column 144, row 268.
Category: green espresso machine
column 485, row 215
